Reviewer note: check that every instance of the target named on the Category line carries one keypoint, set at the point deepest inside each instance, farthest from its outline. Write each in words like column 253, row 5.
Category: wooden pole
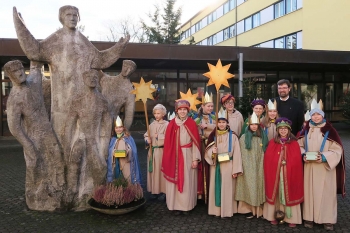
column 147, row 124
column 216, row 117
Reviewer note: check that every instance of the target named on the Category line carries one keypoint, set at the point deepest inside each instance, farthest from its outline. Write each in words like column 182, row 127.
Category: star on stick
column 218, row 75
column 143, row 90
column 192, row 99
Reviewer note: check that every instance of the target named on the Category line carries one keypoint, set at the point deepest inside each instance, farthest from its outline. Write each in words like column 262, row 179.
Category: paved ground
column 152, row 217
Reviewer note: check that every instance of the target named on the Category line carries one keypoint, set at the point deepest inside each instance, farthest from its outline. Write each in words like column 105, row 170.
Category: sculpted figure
column 116, row 89
column 86, row 139
column 68, row 53
column 29, row 123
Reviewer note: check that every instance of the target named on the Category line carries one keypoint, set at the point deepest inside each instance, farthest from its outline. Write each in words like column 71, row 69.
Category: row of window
column 220, row 11
column 292, row 41
column 266, row 15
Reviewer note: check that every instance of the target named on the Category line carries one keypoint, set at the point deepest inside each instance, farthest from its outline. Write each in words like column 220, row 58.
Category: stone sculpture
column 116, row 89
column 29, row 123
column 92, row 127
column 77, row 137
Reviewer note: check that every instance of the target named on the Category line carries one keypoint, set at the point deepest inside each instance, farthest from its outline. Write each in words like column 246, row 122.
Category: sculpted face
column 127, row 69
column 90, row 79
column 70, row 18
column 17, row 75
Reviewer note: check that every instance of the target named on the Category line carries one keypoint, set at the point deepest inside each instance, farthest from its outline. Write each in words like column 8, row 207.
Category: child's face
column 317, row 118
column 258, row 109
column 182, row 112
column 254, row 127
column 222, row 124
column 158, row 114
column 229, row 105
column 119, row 129
column 283, row 131
column 272, row 114
column 207, row 108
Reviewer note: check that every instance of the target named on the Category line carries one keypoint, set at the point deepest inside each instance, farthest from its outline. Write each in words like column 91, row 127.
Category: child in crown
column 225, row 163
column 269, row 120
column 122, row 155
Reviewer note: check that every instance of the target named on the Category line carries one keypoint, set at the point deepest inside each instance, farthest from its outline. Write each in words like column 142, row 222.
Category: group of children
column 265, row 172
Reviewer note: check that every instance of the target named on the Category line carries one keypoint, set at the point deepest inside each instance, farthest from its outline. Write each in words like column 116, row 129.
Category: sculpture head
column 69, row 16
column 91, row 78
column 15, row 71
column 128, row 68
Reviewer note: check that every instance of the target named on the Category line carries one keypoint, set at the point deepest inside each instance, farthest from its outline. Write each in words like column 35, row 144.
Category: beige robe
column 269, row 212
column 271, row 130
column 227, row 169
column 124, row 163
column 235, row 121
column 320, row 198
column 186, row 200
column 204, row 133
column 155, row 179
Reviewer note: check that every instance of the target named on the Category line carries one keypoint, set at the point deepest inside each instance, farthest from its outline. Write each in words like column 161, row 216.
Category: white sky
column 41, row 16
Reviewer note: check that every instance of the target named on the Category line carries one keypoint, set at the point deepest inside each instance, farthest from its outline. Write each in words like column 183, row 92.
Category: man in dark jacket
column 288, row 106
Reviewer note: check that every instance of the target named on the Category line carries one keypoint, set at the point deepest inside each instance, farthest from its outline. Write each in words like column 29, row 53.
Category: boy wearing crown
column 234, row 117
column 180, row 160
column 155, row 139
column 324, row 169
column 258, row 107
column 224, row 157
column 250, row 189
column 122, row 155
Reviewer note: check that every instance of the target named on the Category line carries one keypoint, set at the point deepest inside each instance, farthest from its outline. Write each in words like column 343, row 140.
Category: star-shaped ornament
column 218, row 75
column 192, row 99
column 143, row 90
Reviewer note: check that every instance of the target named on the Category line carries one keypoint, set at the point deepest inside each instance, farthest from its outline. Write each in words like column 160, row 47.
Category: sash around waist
column 188, row 145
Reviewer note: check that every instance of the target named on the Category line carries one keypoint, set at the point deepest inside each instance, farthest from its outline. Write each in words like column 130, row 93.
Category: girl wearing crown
column 155, row 179
column 258, row 106
column 180, row 160
column 122, row 155
column 225, row 163
column 283, row 172
column 206, row 123
column 324, row 170
column 250, row 189
column 268, row 121
column 234, row 117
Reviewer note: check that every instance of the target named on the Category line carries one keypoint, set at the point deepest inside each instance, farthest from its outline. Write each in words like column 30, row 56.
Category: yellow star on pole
column 192, row 99
column 143, row 90
column 218, row 75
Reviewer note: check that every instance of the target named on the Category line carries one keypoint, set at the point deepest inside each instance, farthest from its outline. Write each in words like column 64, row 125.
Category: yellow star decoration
column 192, row 99
column 143, row 90
column 218, row 75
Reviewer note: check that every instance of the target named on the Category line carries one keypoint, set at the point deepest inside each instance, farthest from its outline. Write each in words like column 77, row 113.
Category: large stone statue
column 29, row 123
column 87, row 150
column 116, row 89
column 80, row 125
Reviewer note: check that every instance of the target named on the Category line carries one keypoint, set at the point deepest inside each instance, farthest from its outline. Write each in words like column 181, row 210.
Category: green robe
column 250, row 186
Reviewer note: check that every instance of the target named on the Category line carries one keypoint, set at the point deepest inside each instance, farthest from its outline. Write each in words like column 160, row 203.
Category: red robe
column 292, row 172
column 173, row 161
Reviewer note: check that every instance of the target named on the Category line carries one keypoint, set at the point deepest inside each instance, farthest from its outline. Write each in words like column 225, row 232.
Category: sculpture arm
column 29, row 44
column 108, row 57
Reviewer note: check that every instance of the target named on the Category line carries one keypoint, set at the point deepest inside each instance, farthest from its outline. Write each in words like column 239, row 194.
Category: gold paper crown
column 171, row 116
column 254, row 119
column 307, row 115
column 318, row 105
column 222, row 113
column 272, row 106
column 207, row 98
column 118, row 122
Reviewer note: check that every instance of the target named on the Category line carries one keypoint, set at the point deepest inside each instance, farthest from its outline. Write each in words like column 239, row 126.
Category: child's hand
column 203, row 125
column 195, row 164
column 215, row 149
column 234, row 175
column 149, row 141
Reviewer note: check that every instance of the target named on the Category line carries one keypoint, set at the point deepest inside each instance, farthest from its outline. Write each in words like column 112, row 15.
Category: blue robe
column 134, row 163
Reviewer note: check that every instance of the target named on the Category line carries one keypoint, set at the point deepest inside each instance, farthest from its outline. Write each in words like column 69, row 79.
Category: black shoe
column 249, row 216
column 177, row 212
column 161, row 197
column 153, row 197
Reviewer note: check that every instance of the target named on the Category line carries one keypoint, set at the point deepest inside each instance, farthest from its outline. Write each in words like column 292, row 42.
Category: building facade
column 286, row 24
